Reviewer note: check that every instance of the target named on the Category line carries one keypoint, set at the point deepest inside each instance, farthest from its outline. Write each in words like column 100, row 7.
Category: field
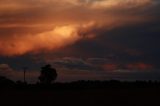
column 84, row 97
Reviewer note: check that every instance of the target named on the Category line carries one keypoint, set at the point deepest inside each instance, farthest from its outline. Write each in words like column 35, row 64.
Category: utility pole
column 24, row 73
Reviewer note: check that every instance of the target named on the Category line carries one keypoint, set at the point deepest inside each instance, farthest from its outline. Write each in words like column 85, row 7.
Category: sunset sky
column 82, row 39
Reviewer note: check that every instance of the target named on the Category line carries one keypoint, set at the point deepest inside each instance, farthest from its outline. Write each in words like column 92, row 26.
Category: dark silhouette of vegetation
column 83, row 93
column 5, row 82
column 79, row 93
column 90, row 85
column 48, row 74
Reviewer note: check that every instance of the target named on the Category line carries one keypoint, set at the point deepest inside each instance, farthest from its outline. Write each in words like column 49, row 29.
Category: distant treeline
column 48, row 76
column 113, row 84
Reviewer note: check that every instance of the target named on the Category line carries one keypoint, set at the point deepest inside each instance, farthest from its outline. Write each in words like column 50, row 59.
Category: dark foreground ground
column 107, row 93
column 85, row 97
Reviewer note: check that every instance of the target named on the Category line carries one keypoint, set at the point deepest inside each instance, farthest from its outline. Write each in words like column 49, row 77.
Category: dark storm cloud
column 129, row 43
column 141, row 39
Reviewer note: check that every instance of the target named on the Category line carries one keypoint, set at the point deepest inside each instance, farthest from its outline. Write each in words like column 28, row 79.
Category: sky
column 82, row 39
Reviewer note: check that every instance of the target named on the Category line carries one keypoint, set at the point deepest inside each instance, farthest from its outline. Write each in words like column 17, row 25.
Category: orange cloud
column 59, row 37
column 22, row 22
column 104, row 4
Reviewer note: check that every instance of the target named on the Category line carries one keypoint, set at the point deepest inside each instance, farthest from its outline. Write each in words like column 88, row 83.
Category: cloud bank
column 38, row 26
column 59, row 37
column 83, row 39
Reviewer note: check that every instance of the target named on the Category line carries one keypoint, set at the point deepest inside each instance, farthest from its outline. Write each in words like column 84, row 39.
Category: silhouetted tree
column 48, row 74
column 5, row 81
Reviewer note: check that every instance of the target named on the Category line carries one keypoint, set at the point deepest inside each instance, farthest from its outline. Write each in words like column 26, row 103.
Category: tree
column 48, row 74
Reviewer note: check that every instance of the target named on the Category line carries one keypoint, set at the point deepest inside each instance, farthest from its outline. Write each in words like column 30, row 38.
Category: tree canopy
column 48, row 74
